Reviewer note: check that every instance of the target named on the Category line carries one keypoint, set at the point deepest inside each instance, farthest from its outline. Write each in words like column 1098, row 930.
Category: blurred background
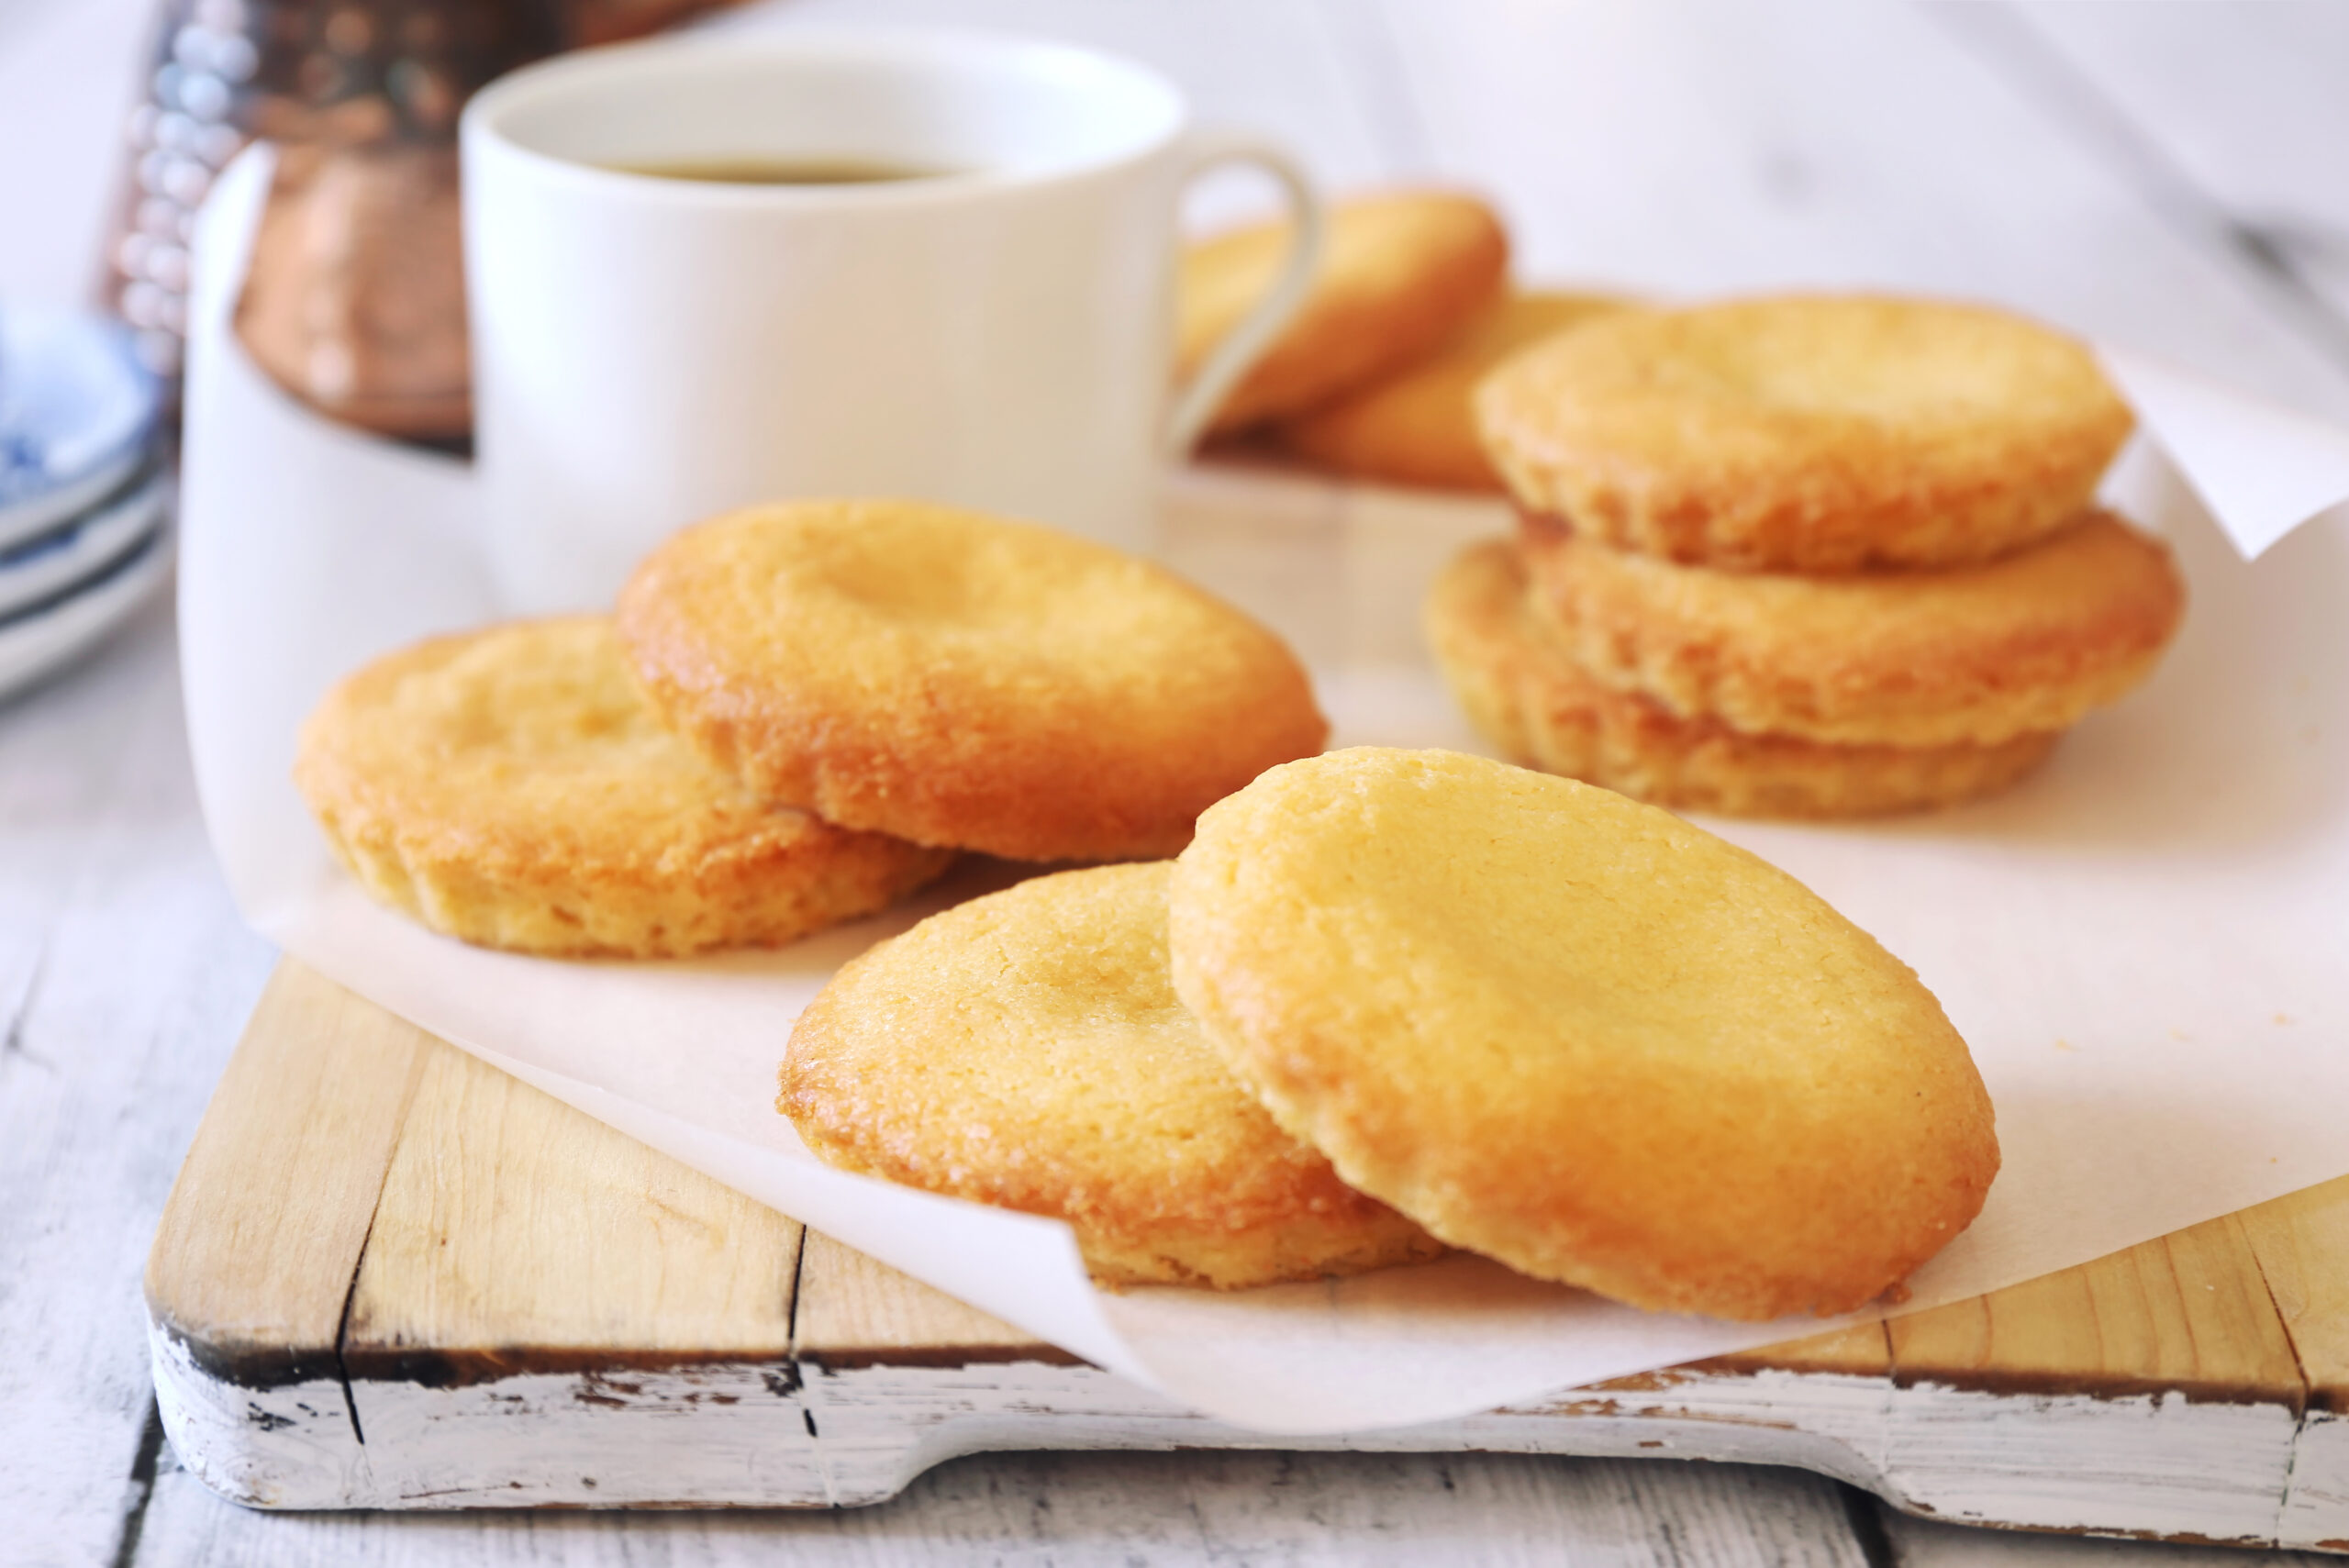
column 2224, row 119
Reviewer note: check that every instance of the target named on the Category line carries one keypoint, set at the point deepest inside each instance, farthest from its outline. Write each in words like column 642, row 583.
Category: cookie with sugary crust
column 1807, row 433
column 962, row 680
column 1579, row 1035
column 1400, row 273
column 2029, row 643
column 1419, row 426
column 510, row 788
column 1527, row 694
column 1027, row 1050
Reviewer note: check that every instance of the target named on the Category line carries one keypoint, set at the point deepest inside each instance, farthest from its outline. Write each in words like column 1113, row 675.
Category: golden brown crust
column 962, row 680
column 1579, row 1035
column 1419, row 426
column 1401, row 271
column 1026, row 1050
column 511, row 788
column 1530, row 697
column 1807, row 433
column 2028, row 642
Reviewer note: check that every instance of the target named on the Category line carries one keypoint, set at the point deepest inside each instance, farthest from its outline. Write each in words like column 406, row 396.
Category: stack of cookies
column 1372, row 379
column 1802, row 557
column 1391, row 1002
column 800, row 712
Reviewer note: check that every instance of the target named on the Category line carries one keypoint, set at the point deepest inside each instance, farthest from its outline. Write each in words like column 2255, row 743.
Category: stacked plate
column 85, row 509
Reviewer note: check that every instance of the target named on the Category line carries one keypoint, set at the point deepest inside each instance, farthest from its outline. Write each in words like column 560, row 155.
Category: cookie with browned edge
column 1027, row 1050
column 1418, row 427
column 959, row 679
column 1807, row 433
column 511, row 788
column 1579, row 1035
column 2027, row 644
column 1525, row 691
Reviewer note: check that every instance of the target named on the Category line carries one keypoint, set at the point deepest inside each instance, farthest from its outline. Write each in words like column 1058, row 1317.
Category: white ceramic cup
column 649, row 350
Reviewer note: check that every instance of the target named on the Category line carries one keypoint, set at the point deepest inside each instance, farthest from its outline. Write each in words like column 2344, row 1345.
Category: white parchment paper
column 2147, row 945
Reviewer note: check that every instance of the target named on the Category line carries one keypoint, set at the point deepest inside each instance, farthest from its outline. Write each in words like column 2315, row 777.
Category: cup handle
column 1232, row 357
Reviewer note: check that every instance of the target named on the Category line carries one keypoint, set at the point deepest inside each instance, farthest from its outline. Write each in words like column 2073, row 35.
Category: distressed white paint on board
column 2316, row 1508
column 2156, row 1465
column 289, row 1446
column 714, row 1434
column 878, row 1427
column 775, row 1436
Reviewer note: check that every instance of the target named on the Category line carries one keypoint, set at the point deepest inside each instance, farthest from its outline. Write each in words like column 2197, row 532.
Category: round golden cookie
column 1579, row 1035
column 958, row 679
column 1807, row 433
column 1418, row 426
column 511, row 788
column 1527, row 694
column 1026, row 1050
column 1399, row 274
column 2028, row 642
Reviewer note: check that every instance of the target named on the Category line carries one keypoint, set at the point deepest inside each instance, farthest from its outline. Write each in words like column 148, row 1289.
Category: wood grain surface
column 2166, row 175
column 470, row 1273
column 297, row 1147
column 2189, row 1312
column 2297, row 1240
column 855, row 1312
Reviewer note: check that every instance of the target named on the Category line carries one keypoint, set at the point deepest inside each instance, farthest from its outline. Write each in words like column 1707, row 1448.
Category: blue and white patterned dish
column 77, row 412
column 39, row 642
column 60, row 562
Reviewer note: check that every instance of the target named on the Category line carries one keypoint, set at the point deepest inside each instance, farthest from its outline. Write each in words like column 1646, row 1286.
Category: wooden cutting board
column 391, row 1276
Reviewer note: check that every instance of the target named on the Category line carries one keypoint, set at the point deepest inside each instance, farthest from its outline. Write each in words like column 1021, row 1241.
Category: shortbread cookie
column 962, row 680
column 2028, row 642
column 1807, row 433
column 1527, row 694
column 1418, row 426
column 1400, row 273
column 511, row 788
column 1579, row 1035
column 1026, row 1050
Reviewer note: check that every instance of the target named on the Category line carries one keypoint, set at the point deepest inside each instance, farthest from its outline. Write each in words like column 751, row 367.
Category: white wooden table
column 2166, row 175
